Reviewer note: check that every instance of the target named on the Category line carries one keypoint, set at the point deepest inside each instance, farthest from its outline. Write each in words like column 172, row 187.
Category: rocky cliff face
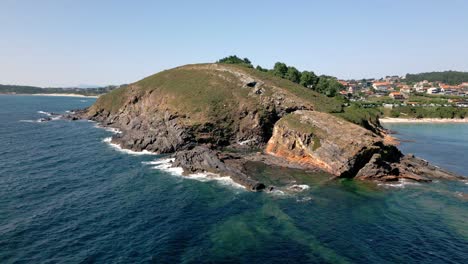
column 198, row 111
column 344, row 149
column 213, row 104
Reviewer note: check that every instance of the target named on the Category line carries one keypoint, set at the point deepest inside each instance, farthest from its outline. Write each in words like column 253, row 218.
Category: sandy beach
column 422, row 120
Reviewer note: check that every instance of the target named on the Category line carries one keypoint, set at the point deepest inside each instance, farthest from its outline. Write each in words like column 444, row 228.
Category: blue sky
column 66, row 42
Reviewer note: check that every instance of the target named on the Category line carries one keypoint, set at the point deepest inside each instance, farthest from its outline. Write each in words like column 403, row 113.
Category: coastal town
column 394, row 91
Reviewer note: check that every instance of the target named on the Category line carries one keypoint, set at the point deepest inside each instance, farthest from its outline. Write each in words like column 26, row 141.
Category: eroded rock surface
column 345, row 150
column 198, row 111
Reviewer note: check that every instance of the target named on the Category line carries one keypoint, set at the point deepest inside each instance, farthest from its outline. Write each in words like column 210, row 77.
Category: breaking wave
column 117, row 147
column 109, row 129
column 166, row 166
column 44, row 113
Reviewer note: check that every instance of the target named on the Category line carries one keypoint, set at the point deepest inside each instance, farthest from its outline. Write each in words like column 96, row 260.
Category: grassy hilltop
column 198, row 87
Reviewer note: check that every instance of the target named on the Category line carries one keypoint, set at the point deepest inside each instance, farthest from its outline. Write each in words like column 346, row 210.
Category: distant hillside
column 448, row 77
column 20, row 89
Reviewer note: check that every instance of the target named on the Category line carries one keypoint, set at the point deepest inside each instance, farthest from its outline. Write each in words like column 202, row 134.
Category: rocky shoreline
column 381, row 164
column 238, row 117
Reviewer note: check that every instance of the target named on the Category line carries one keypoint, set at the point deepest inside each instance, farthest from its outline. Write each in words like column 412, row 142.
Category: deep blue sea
column 66, row 196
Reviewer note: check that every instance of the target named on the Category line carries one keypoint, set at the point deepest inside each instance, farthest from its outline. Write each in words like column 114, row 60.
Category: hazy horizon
column 67, row 43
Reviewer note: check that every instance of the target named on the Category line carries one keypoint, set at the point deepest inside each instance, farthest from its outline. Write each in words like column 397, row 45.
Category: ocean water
column 446, row 145
column 67, row 196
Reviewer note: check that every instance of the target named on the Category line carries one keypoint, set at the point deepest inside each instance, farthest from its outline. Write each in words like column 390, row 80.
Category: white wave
column 166, row 165
column 223, row 180
column 40, row 120
column 400, row 184
column 44, row 113
column 277, row 192
column 83, row 101
column 159, row 161
column 299, row 187
column 109, row 129
column 108, row 140
column 113, row 130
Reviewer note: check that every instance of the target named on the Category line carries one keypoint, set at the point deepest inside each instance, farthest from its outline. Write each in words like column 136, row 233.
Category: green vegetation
column 326, row 85
column 429, row 112
column 321, row 103
column 293, row 121
column 293, row 75
column 236, row 60
column 207, row 95
column 448, row 77
column 280, row 69
column 308, row 79
column 359, row 115
column 19, row 89
column 113, row 100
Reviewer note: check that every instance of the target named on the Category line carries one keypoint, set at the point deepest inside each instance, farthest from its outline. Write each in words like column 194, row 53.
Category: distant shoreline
column 57, row 94
column 390, row 120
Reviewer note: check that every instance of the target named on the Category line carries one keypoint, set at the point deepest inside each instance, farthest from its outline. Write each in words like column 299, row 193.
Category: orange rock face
column 321, row 140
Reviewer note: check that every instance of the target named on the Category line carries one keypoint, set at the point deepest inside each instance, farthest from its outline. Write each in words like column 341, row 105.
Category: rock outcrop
column 199, row 111
column 216, row 104
column 345, row 150
column 202, row 159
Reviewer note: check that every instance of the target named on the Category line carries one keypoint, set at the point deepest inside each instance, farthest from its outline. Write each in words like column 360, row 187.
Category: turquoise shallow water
column 443, row 144
column 68, row 197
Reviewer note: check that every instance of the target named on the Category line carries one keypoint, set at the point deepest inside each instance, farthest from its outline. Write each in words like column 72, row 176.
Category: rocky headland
column 217, row 117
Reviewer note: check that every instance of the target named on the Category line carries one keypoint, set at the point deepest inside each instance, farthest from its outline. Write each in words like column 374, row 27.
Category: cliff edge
column 216, row 117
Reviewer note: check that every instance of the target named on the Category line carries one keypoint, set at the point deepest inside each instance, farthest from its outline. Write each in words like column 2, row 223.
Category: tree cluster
column 448, row 77
column 323, row 84
column 236, row 60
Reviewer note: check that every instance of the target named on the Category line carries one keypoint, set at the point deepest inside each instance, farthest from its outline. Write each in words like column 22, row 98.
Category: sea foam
column 109, row 129
column 299, row 187
column 117, row 147
column 44, row 113
column 166, row 165
column 400, row 184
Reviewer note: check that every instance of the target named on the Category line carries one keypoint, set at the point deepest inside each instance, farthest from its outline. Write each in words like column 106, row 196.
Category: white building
column 433, row 90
